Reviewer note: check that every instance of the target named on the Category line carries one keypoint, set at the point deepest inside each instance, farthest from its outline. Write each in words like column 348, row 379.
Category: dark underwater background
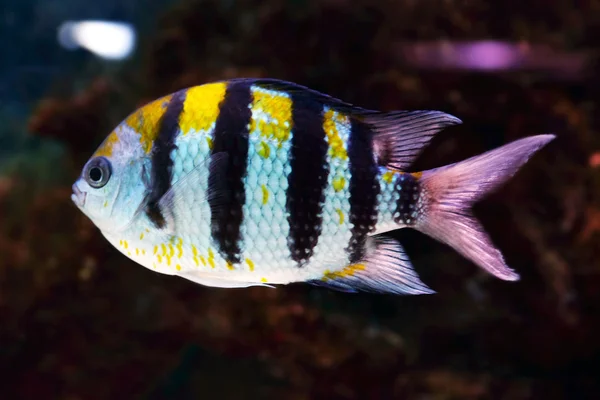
column 79, row 321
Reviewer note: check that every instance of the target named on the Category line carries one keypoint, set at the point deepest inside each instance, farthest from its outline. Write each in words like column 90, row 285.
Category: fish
column 264, row 182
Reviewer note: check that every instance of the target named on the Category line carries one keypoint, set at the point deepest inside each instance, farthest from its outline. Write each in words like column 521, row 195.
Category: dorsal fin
column 400, row 136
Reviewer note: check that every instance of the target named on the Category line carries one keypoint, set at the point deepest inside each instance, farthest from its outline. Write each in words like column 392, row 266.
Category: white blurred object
column 111, row 40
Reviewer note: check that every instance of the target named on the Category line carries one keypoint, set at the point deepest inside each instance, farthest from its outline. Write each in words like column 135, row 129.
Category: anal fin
column 385, row 269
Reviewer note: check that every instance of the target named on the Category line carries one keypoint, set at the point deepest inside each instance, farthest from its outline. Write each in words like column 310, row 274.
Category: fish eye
column 97, row 172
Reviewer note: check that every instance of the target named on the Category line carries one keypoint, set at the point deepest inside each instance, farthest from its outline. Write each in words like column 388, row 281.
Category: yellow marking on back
column 201, row 107
column 265, row 194
column 145, row 121
column 209, row 141
column 264, row 150
column 341, row 215
column 147, row 230
column 250, row 264
column 272, row 114
column 336, row 144
column 339, row 183
column 106, row 148
column 417, row 175
column 388, row 176
column 211, row 257
column 348, row 271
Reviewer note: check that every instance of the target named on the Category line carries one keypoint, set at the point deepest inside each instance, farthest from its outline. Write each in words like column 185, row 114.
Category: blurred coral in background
column 80, row 321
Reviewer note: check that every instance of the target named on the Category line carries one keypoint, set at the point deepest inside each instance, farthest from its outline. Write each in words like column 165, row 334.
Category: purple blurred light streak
column 491, row 56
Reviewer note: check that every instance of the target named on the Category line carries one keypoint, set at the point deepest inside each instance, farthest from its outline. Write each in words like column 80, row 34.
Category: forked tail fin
column 450, row 191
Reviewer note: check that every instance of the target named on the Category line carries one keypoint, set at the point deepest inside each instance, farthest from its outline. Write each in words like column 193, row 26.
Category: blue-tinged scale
column 252, row 182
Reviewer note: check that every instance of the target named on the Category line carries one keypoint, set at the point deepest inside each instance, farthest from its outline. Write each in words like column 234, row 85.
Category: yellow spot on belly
column 159, row 258
column 195, row 254
column 211, row 257
column 271, row 114
column 143, row 252
column 147, row 230
column 201, row 107
column 265, row 194
column 263, row 280
column 125, row 244
column 336, row 144
column 230, row 266
column 348, row 271
column 339, row 183
column 209, row 141
column 164, row 249
column 203, row 260
column 250, row 264
column 145, row 121
column 341, row 215
column 105, row 203
column 178, row 267
column 121, row 242
column 171, row 250
column 180, row 248
column 417, row 175
column 264, row 150
column 137, row 252
column 155, row 249
column 142, row 236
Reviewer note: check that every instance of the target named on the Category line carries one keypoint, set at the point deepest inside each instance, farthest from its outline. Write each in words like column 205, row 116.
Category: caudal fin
column 450, row 191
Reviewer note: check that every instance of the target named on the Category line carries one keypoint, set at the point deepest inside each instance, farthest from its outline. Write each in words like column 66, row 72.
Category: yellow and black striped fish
column 259, row 181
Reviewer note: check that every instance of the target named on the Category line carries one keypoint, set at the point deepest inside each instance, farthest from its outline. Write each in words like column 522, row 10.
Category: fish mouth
column 78, row 197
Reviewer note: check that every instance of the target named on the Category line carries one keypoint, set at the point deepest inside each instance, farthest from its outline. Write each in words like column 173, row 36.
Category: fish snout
column 78, row 197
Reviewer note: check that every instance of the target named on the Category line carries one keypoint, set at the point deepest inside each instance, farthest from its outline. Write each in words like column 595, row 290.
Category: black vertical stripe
column 407, row 186
column 230, row 137
column 162, row 164
column 363, row 187
column 308, row 177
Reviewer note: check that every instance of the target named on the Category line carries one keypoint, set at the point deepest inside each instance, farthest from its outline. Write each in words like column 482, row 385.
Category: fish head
column 111, row 188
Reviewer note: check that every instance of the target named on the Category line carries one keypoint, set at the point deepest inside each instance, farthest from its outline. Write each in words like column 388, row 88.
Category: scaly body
column 248, row 182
